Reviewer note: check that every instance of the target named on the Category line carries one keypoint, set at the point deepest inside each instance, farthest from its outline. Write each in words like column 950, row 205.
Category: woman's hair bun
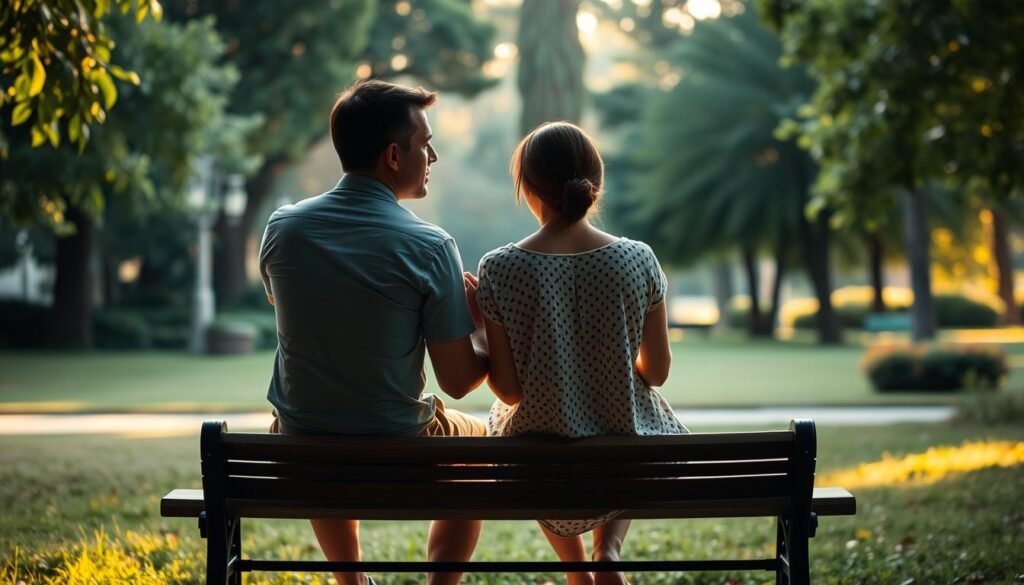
column 578, row 195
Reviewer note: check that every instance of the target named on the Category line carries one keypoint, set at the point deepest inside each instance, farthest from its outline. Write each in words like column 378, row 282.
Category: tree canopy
column 144, row 152
column 57, row 71
column 938, row 86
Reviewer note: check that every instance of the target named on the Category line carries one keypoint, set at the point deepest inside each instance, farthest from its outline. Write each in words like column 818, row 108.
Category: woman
column 576, row 324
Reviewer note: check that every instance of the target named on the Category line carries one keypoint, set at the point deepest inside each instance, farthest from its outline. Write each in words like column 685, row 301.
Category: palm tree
column 551, row 63
column 712, row 175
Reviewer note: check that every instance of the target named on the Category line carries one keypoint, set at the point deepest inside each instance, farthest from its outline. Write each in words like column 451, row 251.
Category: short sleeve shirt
column 359, row 284
column 575, row 322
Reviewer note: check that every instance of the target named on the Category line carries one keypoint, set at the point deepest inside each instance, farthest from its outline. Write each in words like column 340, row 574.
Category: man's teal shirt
column 359, row 283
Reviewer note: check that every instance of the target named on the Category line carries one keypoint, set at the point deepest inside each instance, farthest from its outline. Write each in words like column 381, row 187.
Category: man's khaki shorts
column 446, row 423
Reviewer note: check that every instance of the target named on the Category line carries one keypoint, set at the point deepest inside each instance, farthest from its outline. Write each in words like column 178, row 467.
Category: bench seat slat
column 504, row 450
column 828, row 501
column 413, row 473
column 506, row 494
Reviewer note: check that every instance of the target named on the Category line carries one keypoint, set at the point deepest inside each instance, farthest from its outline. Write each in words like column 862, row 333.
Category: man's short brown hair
column 369, row 116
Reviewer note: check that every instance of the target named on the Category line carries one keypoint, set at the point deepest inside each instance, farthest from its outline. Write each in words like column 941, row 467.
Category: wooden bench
column 895, row 321
column 702, row 475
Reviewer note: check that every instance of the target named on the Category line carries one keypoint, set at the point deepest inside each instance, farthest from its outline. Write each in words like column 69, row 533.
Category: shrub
column 992, row 407
column 22, row 325
column 955, row 311
column 952, row 311
column 264, row 324
column 850, row 317
column 114, row 329
column 253, row 298
column 170, row 336
column 934, row 368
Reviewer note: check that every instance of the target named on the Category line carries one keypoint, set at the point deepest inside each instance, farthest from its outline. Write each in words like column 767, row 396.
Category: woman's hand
column 472, row 283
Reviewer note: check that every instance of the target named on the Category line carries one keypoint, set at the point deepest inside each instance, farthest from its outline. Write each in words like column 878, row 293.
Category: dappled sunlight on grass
column 137, row 558
column 47, row 406
column 933, row 465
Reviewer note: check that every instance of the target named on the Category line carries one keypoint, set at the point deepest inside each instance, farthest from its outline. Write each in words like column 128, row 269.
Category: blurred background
column 790, row 174
column 833, row 187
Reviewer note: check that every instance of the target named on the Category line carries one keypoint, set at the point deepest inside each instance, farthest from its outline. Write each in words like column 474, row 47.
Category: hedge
column 934, row 367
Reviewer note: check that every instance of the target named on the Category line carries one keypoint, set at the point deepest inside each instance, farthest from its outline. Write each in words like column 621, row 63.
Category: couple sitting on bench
column 568, row 326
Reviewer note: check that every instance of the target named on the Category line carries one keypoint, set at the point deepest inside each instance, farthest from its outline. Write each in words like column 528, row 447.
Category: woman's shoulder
column 637, row 247
column 497, row 256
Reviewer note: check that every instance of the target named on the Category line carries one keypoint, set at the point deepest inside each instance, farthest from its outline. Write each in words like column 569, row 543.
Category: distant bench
column 702, row 475
column 894, row 321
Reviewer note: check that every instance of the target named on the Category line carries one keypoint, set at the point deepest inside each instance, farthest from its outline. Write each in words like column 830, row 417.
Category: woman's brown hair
column 559, row 164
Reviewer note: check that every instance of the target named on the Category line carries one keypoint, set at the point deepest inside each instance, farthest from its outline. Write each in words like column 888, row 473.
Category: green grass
column 57, row 492
column 726, row 371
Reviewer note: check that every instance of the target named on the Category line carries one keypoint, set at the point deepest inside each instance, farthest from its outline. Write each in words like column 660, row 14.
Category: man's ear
column 391, row 156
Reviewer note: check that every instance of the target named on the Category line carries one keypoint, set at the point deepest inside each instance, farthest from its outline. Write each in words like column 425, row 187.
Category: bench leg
column 234, row 575
column 223, row 543
column 792, row 542
column 781, row 573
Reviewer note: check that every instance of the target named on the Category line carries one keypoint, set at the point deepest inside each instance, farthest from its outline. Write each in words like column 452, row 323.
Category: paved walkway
column 185, row 424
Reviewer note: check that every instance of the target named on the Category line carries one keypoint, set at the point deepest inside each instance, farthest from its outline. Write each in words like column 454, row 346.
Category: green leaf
column 37, row 136
column 123, row 75
column 38, row 77
column 107, row 87
column 157, row 9
column 21, row 84
column 22, row 112
column 52, row 133
column 75, row 128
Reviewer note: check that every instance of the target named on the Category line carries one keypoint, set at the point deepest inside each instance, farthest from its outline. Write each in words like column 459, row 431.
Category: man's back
column 358, row 283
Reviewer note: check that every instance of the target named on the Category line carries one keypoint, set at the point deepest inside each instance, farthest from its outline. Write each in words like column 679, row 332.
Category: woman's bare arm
column 655, row 357
column 501, row 375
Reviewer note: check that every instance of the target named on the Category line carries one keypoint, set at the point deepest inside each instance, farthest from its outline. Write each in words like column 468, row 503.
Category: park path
column 186, row 424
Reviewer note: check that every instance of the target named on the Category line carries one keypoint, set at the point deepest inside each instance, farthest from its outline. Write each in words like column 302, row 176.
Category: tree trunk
column 816, row 253
column 1004, row 266
column 877, row 280
column 551, row 63
column 917, row 234
column 229, row 275
column 724, row 290
column 780, row 273
column 754, row 315
column 70, row 325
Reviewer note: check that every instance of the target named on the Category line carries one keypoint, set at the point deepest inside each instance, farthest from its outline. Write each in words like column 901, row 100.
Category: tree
column 909, row 92
column 550, row 64
column 710, row 175
column 296, row 56
column 140, row 158
column 56, row 66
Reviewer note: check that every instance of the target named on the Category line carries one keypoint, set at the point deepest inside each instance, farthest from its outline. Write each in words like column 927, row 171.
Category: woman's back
column 574, row 323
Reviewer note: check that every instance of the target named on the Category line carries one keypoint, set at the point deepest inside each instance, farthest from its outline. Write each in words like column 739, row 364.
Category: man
column 361, row 286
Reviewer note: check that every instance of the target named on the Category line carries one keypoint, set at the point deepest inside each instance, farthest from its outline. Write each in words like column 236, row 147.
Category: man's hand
column 472, row 283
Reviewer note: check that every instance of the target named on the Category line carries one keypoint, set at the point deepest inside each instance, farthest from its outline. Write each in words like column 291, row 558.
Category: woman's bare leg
column 608, row 539
column 339, row 539
column 570, row 548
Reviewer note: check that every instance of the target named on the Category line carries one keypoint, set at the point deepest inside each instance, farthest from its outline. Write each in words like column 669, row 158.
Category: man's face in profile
column 414, row 163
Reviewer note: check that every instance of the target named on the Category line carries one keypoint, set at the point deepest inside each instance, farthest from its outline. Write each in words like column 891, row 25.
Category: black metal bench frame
column 702, row 475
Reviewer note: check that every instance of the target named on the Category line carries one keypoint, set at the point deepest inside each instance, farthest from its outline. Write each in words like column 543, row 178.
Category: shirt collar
column 365, row 185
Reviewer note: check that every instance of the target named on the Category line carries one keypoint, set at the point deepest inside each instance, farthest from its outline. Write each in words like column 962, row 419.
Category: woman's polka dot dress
column 574, row 322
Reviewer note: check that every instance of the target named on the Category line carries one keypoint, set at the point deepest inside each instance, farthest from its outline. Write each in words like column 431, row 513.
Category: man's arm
column 460, row 366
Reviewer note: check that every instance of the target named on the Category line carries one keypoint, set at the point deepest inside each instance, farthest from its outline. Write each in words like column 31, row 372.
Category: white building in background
column 28, row 281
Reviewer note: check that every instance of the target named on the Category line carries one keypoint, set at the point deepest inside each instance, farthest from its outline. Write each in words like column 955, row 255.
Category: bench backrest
column 701, row 474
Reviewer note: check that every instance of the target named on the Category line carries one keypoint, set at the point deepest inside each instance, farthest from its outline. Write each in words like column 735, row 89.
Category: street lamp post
column 233, row 201
column 203, row 308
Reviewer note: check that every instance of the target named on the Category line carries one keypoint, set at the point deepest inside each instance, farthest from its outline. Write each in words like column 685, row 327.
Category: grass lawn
column 726, row 371
column 85, row 510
